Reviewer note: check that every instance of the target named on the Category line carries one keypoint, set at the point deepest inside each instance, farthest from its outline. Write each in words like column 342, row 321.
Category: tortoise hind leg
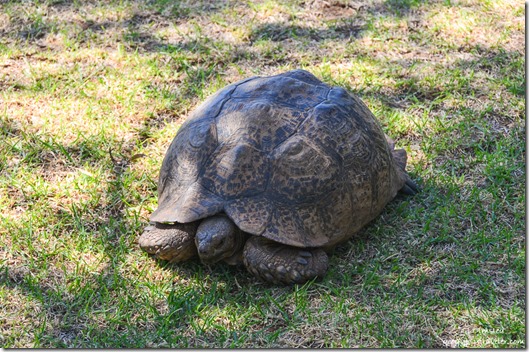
column 409, row 187
column 400, row 156
column 279, row 263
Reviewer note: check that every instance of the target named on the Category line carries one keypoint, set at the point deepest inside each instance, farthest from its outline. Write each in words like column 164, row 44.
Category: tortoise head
column 218, row 238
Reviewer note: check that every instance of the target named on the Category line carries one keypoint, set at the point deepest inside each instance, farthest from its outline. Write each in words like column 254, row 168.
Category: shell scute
column 251, row 214
column 285, row 227
column 302, row 171
column 187, row 205
column 261, row 124
column 236, row 170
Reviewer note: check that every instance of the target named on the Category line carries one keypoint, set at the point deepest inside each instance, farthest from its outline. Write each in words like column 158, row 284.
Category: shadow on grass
column 71, row 299
column 34, row 27
column 277, row 32
column 402, row 246
column 135, row 27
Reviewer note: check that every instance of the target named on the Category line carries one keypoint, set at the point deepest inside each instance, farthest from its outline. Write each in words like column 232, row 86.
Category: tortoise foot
column 171, row 242
column 277, row 263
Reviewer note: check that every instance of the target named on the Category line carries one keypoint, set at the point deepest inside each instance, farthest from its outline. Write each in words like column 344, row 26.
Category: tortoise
column 273, row 172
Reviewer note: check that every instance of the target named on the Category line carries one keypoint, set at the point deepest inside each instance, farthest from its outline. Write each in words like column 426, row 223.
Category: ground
column 92, row 93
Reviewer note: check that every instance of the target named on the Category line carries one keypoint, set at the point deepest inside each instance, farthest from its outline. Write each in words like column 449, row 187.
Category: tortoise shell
column 286, row 157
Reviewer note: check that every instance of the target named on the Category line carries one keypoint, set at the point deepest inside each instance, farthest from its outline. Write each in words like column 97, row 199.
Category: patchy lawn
column 88, row 87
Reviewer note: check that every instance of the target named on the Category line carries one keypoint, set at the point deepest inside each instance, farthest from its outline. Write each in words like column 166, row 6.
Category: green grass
column 92, row 93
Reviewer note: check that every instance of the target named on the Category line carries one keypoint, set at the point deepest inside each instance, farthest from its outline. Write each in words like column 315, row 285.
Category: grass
column 92, row 93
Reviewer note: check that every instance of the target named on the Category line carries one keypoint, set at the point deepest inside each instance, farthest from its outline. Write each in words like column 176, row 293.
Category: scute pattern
column 251, row 214
column 178, row 209
column 342, row 221
column 285, row 227
column 286, row 157
column 236, row 170
column 284, row 91
column 184, row 160
column 302, row 172
column 260, row 123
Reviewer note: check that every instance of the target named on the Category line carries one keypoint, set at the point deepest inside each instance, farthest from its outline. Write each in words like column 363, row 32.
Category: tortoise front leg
column 171, row 242
column 279, row 263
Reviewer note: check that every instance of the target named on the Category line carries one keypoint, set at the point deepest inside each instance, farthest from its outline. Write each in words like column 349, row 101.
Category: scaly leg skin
column 172, row 242
column 279, row 263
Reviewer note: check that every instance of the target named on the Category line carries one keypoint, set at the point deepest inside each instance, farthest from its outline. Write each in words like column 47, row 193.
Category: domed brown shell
column 286, row 157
